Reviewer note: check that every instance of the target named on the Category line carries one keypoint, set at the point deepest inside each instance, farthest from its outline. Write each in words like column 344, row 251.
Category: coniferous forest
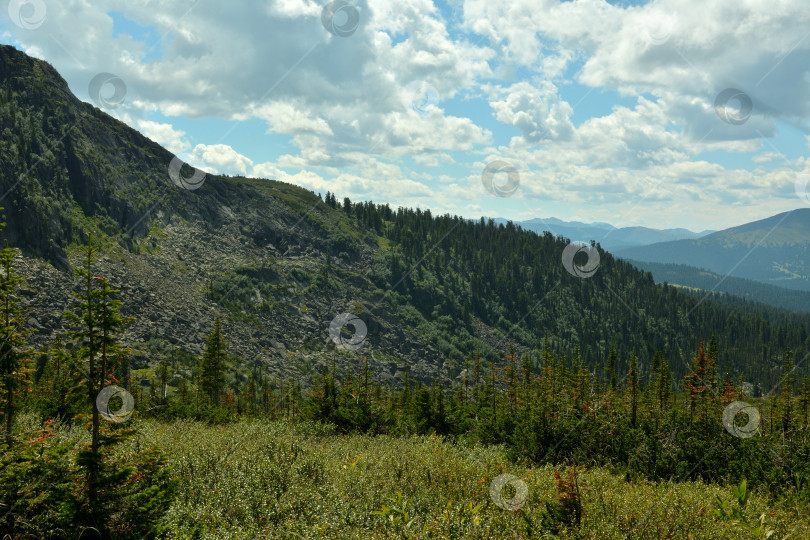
column 81, row 460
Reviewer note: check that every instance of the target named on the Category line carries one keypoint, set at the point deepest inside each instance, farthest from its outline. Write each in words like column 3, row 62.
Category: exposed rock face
column 245, row 250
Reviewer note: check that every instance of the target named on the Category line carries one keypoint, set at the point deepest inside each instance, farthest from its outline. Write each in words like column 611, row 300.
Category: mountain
column 775, row 251
column 280, row 265
column 705, row 282
column 609, row 237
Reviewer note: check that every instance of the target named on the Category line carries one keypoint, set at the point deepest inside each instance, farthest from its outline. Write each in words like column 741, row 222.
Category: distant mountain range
column 774, row 250
column 766, row 260
column 610, row 237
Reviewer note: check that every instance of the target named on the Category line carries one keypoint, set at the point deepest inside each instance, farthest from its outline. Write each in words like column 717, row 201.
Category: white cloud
column 535, row 109
column 223, row 159
column 165, row 135
column 767, row 156
column 339, row 99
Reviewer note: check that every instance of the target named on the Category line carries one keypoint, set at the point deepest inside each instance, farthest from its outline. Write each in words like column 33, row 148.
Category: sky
column 669, row 113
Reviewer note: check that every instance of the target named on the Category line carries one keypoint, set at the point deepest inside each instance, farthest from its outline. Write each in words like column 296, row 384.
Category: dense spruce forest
column 731, row 289
column 453, row 271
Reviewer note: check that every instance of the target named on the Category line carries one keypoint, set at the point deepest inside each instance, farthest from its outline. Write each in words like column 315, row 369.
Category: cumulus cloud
column 223, row 159
column 767, row 156
column 501, row 73
column 535, row 109
column 165, row 135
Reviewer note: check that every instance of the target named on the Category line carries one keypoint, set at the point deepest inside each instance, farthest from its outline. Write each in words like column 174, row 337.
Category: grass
column 263, row 479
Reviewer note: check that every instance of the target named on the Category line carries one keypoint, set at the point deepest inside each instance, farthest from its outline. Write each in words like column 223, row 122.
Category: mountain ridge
column 607, row 235
column 772, row 250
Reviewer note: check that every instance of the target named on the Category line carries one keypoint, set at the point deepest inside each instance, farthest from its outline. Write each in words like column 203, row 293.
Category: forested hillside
column 738, row 289
column 278, row 263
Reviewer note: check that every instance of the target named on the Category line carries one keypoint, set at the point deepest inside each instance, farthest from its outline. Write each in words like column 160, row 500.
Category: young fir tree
column 633, row 388
column 163, row 377
column 59, row 389
column 14, row 369
column 94, row 315
column 115, row 492
column 787, row 392
column 611, row 368
column 212, row 370
column 664, row 384
column 696, row 384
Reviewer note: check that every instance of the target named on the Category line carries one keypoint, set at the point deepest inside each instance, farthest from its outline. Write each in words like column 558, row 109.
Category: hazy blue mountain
column 611, row 238
column 773, row 250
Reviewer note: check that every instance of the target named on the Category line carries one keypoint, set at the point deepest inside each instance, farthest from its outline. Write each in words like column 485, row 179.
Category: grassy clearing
column 261, row 479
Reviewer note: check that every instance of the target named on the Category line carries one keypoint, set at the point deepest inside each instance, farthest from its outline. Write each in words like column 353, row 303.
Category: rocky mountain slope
column 69, row 170
column 279, row 264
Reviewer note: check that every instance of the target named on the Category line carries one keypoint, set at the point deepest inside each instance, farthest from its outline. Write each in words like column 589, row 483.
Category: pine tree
column 212, row 370
column 97, row 323
column 611, row 368
column 163, row 377
column 14, row 368
column 632, row 388
column 664, row 384
column 787, row 392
